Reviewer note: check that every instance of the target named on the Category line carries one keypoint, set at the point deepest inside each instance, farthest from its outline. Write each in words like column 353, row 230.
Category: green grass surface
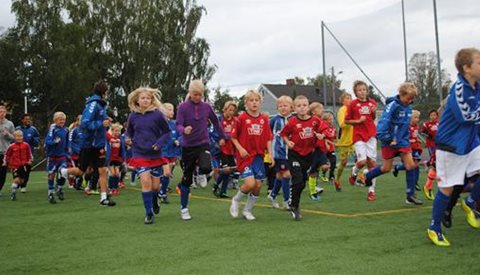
column 342, row 234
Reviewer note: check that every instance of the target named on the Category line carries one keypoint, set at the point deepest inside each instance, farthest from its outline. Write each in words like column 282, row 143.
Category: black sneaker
column 60, row 195
column 164, row 199
column 51, row 199
column 107, row 202
column 413, row 200
column 13, row 196
column 447, row 219
column 215, row 190
column 395, row 171
column 149, row 219
column 156, row 206
column 296, row 215
column 224, row 196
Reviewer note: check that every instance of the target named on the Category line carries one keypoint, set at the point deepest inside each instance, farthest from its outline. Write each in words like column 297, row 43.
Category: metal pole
column 324, row 69
column 25, row 104
column 439, row 68
column 404, row 41
column 333, row 89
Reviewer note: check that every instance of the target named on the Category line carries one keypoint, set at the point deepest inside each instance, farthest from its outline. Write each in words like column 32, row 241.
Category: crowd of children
column 296, row 147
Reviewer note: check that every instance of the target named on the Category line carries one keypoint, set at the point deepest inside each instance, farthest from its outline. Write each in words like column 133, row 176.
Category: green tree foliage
column 220, row 98
column 64, row 46
column 422, row 71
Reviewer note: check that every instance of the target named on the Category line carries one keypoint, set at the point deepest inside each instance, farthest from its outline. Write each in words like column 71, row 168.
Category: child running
column 345, row 142
column 330, row 134
column 251, row 136
column 148, row 129
column 17, row 157
column 300, row 136
column 192, row 123
column 115, row 157
column 429, row 129
column 458, row 143
column 280, row 152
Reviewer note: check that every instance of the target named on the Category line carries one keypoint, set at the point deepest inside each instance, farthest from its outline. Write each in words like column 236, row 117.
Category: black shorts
column 281, row 165
column 115, row 163
column 20, row 173
column 319, row 158
column 91, row 157
column 226, row 160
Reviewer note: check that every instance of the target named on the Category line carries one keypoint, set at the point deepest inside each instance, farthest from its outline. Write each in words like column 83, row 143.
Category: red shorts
column 171, row 159
column 144, row 162
column 390, row 152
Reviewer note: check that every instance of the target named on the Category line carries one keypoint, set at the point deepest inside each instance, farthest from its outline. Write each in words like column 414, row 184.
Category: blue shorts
column 53, row 164
column 215, row 163
column 256, row 169
column 416, row 155
column 155, row 172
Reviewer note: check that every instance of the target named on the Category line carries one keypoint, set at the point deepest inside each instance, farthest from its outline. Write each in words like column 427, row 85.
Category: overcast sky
column 268, row 41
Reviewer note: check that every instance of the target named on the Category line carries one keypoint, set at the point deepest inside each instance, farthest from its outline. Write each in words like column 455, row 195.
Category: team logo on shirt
column 364, row 110
column 255, row 130
column 306, row 133
column 228, row 128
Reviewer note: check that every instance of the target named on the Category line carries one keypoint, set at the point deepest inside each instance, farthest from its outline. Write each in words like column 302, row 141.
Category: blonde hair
column 464, row 57
column 251, row 93
column 154, row 94
column 18, row 133
column 313, row 106
column 168, row 105
column 327, row 115
column 228, row 104
column 415, row 113
column 286, row 99
column 116, row 126
column 196, row 85
column 344, row 95
column 57, row 115
column 407, row 88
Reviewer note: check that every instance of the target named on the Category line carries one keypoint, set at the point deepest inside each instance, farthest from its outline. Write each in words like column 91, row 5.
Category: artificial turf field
column 342, row 234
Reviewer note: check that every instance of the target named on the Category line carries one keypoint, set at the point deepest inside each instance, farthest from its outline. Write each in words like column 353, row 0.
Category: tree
column 220, row 98
column 422, row 71
column 299, row 80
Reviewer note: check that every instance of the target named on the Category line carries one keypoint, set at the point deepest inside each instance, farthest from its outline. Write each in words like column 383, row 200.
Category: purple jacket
column 197, row 115
column 147, row 130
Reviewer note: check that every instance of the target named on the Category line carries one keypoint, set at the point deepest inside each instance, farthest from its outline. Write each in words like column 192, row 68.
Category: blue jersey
column 458, row 127
column 56, row 141
column 30, row 136
column 169, row 149
column 74, row 140
column 214, row 137
column 279, row 148
column 394, row 124
column 94, row 134
column 128, row 149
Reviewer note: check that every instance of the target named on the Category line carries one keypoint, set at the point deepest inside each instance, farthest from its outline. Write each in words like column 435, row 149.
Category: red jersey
column 414, row 141
column 367, row 129
column 228, row 125
column 322, row 129
column 330, row 134
column 429, row 128
column 302, row 133
column 253, row 133
column 18, row 154
column 115, row 148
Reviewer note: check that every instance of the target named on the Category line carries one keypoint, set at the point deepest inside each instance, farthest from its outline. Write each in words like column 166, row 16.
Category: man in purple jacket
column 193, row 116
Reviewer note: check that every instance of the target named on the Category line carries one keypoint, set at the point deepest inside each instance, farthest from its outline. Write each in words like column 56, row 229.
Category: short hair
column 116, row 126
column 100, row 88
column 155, row 94
column 228, row 104
column 18, row 133
column 25, row 115
column 407, row 88
column 286, row 99
column 251, row 93
column 327, row 115
column 196, row 85
column 168, row 105
column 298, row 98
column 344, row 95
column 313, row 106
column 57, row 115
column 357, row 83
column 415, row 113
column 2, row 106
column 464, row 57
column 433, row 111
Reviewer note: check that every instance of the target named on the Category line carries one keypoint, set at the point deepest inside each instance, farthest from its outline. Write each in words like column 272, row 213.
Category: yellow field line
column 316, row 212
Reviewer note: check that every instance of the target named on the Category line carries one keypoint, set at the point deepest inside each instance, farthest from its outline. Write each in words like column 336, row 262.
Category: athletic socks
column 184, row 193
column 474, row 195
column 440, row 204
column 239, row 195
column 355, row 170
column 277, row 183
column 111, row 182
column 250, row 202
column 411, row 182
column 50, row 185
column 165, row 181
column 432, row 174
column 340, row 170
column 223, row 180
column 312, row 184
column 286, row 189
column 103, row 196
column 147, row 202
column 375, row 172
column 14, row 187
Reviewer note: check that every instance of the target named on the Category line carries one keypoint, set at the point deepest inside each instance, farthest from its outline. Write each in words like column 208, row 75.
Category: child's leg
column 333, row 163
column 147, row 194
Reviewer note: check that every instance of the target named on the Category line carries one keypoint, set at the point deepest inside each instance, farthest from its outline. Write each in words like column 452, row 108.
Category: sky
column 268, row 41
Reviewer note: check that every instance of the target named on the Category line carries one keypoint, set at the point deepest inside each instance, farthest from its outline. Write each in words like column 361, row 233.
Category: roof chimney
column 290, row 82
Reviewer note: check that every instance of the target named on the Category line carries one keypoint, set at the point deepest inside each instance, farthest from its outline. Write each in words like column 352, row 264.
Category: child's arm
column 216, row 124
column 51, row 138
column 243, row 153
column 88, row 117
column 385, row 129
column 163, row 124
column 349, row 119
column 285, row 133
column 461, row 106
column 180, row 121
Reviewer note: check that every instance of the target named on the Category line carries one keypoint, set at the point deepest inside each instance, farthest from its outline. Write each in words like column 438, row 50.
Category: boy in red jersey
column 429, row 129
column 361, row 114
column 251, row 136
column 330, row 134
column 227, row 150
column 300, row 135
column 17, row 157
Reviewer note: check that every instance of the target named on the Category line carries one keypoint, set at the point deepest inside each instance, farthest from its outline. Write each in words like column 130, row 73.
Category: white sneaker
column 273, row 201
column 234, row 208
column 62, row 173
column 185, row 214
column 248, row 215
column 202, row 180
column 23, row 190
column 286, row 206
column 319, row 190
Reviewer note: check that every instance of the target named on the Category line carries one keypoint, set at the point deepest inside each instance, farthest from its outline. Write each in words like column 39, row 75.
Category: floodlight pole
column 439, row 68
column 324, row 69
column 404, row 41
